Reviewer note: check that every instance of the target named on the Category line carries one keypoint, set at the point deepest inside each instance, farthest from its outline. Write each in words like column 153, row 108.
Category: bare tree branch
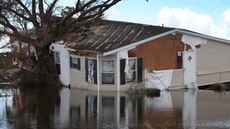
column 97, row 10
column 77, row 9
column 34, row 15
column 51, row 7
column 41, row 11
column 24, row 7
column 7, row 24
column 16, row 13
column 6, row 45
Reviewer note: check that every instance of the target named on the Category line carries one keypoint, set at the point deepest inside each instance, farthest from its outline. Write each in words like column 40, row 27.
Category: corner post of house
column 190, row 72
column 98, row 73
column 118, row 89
column 98, row 90
column 118, row 109
column 118, row 71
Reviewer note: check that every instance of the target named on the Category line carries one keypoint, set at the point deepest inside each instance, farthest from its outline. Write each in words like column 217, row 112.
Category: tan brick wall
column 160, row 54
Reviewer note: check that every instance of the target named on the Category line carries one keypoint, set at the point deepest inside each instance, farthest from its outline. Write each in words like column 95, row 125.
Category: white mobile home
column 115, row 55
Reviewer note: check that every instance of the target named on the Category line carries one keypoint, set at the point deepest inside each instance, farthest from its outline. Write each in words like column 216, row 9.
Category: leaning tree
column 49, row 22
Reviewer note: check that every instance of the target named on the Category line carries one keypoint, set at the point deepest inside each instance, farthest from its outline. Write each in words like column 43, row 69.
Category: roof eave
column 75, row 50
column 203, row 36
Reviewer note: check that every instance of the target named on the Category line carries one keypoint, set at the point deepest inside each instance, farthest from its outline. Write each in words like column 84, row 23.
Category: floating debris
column 151, row 92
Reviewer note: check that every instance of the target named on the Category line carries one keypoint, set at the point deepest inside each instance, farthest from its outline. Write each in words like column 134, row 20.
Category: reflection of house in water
column 172, row 110
column 79, row 108
column 162, row 112
column 108, row 108
column 176, row 109
column 118, row 110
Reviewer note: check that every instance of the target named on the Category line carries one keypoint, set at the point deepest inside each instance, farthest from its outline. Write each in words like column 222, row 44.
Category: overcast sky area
column 211, row 17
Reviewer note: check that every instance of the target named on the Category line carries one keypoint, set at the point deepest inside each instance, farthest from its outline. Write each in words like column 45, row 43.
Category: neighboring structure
column 5, row 61
column 22, row 51
column 115, row 55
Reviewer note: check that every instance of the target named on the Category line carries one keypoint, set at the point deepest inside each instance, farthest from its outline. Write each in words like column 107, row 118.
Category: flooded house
column 115, row 55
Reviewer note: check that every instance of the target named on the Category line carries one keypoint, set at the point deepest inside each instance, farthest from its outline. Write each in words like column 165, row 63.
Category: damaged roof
column 110, row 35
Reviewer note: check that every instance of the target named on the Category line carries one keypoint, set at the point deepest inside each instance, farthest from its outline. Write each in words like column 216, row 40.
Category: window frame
column 57, row 59
column 75, row 65
column 90, row 59
column 107, row 72
column 136, row 74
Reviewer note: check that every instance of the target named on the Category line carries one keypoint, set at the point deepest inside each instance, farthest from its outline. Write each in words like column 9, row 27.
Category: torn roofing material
column 110, row 35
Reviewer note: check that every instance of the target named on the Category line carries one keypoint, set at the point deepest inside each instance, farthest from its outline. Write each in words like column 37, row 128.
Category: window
column 75, row 63
column 57, row 57
column 132, row 72
column 57, row 62
column 179, row 60
column 107, row 72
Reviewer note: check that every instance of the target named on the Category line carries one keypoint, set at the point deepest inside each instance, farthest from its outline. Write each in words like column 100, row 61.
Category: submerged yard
column 80, row 109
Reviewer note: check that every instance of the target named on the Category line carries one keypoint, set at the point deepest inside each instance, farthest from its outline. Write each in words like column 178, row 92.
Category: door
column 189, row 66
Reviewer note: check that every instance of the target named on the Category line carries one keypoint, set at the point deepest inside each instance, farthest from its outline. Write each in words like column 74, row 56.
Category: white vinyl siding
column 77, row 77
column 213, row 57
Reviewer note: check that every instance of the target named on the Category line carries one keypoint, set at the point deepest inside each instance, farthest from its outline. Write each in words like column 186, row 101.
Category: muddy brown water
column 82, row 109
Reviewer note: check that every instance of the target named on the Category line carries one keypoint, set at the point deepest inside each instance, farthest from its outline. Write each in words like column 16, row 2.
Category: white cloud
column 202, row 23
column 226, row 16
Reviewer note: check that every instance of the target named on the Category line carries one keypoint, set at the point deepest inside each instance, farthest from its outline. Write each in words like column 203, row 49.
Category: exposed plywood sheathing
column 160, row 54
column 109, row 35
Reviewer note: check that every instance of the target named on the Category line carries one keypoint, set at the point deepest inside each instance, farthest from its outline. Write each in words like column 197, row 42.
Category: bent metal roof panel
column 110, row 35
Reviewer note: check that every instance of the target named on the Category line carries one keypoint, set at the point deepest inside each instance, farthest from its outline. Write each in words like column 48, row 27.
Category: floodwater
column 81, row 109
